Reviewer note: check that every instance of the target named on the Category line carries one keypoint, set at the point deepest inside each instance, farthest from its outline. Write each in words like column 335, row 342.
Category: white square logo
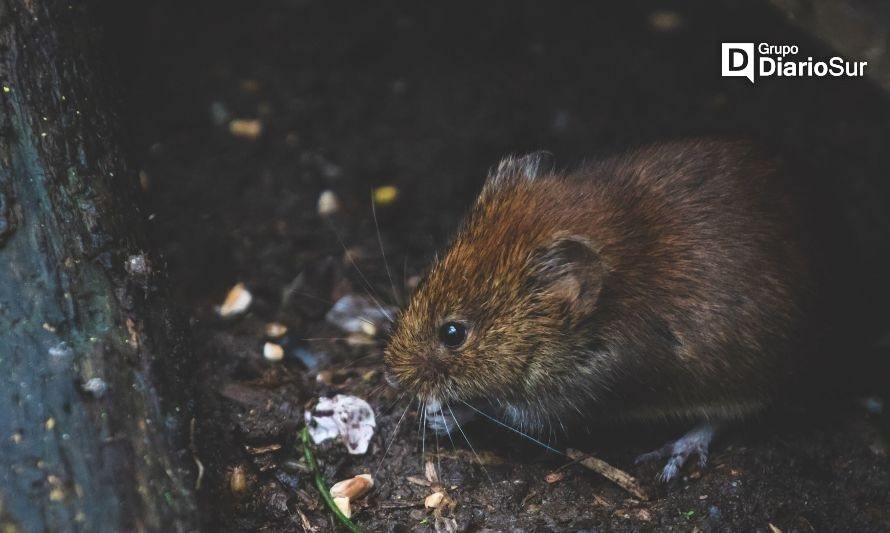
column 737, row 59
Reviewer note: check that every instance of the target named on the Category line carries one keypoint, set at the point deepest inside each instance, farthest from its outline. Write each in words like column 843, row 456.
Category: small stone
column 246, row 128
column 554, row 477
column 237, row 301
column 61, row 350
column 665, row 21
column 385, row 195
column 274, row 330
column 96, row 386
column 273, row 352
column 137, row 265
column 144, row 180
column 238, row 480
column 328, row 203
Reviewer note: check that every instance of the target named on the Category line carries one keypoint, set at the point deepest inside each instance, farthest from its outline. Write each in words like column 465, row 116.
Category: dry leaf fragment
column 429, row 471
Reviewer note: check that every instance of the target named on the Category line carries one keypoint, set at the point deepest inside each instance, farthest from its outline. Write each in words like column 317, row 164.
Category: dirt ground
column 426, row 97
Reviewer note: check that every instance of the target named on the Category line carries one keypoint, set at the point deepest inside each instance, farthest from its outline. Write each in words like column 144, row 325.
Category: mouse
column 670, row 282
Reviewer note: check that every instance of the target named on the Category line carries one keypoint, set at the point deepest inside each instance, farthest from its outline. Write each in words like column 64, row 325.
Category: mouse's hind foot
column 695, row 442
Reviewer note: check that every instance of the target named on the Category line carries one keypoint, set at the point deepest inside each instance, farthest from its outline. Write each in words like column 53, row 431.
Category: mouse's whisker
column 423, row 439
column 392, row 284
column 445, row 421
column 511, row 428
column 312, row 296
column 379, row 390
column 438, row 457
column 371, row 292
column 478, row 459
column 392, row 439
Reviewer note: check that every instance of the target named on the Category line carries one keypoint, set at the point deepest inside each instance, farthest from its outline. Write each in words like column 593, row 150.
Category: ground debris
column 237, row 301
column 615, row 475
column 343, row 416
column 356, row 314
column 353, row 488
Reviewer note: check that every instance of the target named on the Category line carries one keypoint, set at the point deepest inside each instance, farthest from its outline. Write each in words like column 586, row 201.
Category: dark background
column 427, row 97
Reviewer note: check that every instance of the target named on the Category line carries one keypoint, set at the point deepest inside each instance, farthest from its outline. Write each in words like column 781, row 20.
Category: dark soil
column 426, row 97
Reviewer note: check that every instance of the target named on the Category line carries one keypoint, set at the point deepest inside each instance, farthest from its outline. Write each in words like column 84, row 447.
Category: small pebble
column 274, row 330
column 96, row 386
column 238, row 479
column 273, row 352
column 385, row 195
column 554, row 477
column 237, row 301
column 246, row 128
column 665, row 21
column 328, row 203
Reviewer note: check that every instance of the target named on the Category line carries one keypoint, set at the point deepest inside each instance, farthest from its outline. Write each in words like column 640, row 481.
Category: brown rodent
column 668, row 282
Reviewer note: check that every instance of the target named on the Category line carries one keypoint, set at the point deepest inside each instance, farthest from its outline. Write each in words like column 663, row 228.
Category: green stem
column 320, row 484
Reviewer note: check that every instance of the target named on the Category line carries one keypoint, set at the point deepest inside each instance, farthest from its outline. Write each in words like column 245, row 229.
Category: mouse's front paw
column 677, row 452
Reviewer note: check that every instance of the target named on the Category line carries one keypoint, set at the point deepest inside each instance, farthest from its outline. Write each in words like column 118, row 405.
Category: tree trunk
column 93, row 398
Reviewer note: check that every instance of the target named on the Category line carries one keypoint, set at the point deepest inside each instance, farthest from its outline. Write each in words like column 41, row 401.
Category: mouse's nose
column 433, row 368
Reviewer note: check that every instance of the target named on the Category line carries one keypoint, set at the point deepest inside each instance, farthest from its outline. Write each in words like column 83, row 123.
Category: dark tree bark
column 93, row 403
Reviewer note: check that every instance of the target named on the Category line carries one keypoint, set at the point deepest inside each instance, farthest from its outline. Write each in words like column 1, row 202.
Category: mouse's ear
column 569, row 271
column 527, row 168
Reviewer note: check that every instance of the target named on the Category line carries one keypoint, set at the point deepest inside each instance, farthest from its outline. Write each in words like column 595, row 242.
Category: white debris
column 346, row 417
column 138, row 265
column 356, row 314
column 274, row 330
column 328, row 203
column 273, row 352
column 61, row 351
column 237, row 301
column 96, row 386
column 342, row 503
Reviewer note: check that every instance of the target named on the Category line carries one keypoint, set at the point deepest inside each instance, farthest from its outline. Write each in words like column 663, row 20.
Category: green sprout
column 320, row 484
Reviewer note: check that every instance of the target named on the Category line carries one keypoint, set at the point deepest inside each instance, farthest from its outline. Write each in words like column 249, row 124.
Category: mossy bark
column 93, row 391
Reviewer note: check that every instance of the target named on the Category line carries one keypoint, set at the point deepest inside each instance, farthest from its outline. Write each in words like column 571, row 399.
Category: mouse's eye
column 452, row 334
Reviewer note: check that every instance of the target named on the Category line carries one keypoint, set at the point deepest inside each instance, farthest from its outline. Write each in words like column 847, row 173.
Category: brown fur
column 669, row 281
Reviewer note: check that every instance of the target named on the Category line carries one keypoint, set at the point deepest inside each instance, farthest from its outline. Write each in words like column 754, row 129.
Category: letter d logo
column 737, row 59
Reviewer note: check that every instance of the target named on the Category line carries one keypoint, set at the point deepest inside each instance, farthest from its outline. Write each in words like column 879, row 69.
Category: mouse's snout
column 420, row 373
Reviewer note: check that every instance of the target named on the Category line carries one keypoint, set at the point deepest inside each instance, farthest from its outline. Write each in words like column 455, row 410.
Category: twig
column 615, row 475
column 320, row 484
